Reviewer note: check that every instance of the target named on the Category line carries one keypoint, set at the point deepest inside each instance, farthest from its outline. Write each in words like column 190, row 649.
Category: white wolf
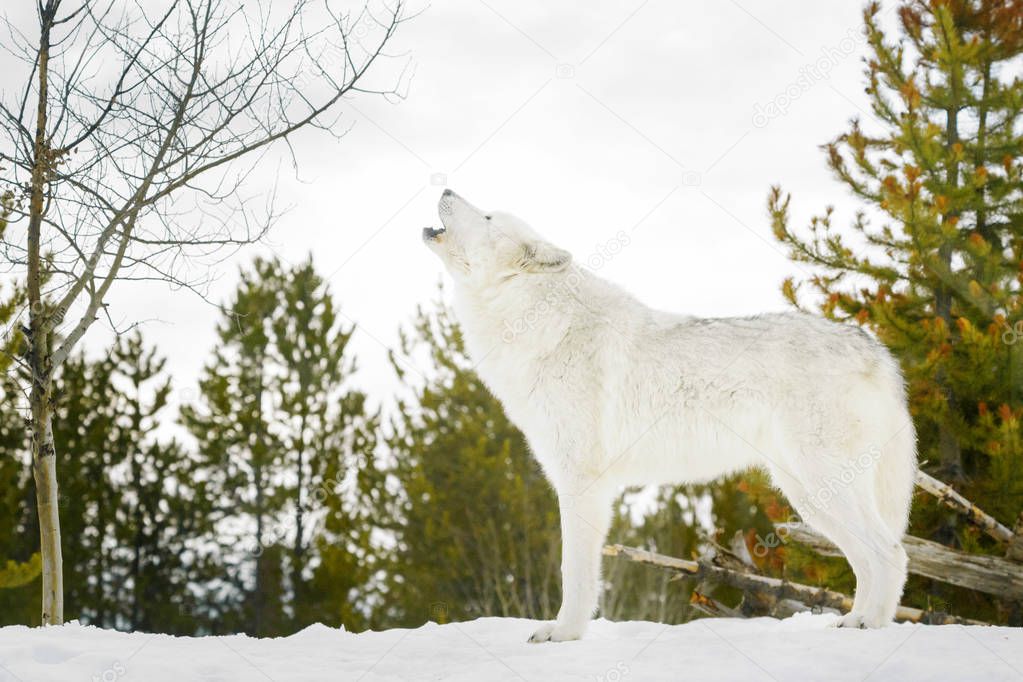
column 611, row 393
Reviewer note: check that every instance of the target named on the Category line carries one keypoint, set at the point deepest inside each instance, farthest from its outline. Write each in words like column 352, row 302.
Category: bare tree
column 124, row 149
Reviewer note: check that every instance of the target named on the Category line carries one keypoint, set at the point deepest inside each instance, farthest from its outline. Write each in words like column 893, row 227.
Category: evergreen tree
column 135, row 516
column 132, row 520
column 330, row 437
column 162, row 523
column 19, row 541
column 476, row 526
column 19, row 536
column 288, row 445
column 242, row 463
column 87, row 429
column 935, row 268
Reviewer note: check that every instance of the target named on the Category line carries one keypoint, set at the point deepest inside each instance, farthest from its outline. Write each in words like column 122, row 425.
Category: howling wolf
column 611, row 393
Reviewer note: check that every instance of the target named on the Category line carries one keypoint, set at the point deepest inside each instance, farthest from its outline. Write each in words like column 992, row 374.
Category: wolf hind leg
column 844, row 510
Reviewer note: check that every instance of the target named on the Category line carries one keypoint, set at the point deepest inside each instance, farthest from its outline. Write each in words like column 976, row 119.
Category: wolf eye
column 487, row 217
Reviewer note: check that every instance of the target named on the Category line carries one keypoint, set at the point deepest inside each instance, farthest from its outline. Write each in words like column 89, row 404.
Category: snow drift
column 800, row 648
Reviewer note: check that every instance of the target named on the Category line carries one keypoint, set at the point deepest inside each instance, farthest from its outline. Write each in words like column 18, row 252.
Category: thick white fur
column 611, row 393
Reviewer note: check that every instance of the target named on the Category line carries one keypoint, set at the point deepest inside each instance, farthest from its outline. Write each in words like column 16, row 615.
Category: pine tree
column 133, row 515
column 288, row 442
column 934, row 265
column 477, row 524
column 162, row 523
column 19, row 536
column 345, row 579
column 330, row 437
column 87, row 404
column 135, row 519
column 242, row 460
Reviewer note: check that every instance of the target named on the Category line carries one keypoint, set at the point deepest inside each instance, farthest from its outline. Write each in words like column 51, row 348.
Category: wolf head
column 482, row 249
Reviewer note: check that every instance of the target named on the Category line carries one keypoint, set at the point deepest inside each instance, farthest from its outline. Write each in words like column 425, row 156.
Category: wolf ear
column 539, row 257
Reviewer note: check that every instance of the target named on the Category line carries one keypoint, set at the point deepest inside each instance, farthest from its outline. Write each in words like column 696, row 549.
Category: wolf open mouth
column 430, row 233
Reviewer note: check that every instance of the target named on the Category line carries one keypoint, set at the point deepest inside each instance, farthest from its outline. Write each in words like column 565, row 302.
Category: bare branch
column 130, row 147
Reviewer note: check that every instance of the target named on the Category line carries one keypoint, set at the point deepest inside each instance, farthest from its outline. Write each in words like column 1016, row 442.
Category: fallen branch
column 1015, row 548
column 774, row 587
column 984, row 573
column 950, row 498
column 711, row 606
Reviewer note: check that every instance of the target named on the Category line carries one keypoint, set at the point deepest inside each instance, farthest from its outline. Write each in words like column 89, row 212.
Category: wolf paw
column 555, row 632
column 850, row 620
column 855, row 620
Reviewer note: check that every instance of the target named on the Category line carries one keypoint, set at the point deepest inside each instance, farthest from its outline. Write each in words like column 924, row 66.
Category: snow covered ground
column 800, row 648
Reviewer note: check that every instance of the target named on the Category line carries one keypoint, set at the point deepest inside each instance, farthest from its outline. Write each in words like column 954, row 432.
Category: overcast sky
column 667, row 119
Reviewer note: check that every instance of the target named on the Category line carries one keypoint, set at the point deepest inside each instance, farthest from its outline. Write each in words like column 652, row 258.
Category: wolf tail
column 895, row 477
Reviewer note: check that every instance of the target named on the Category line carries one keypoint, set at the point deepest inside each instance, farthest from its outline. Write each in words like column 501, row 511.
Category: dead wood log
column 1015, row 549
column 711, row 606
column 776, row 588
column 950, row 498
column 984, row 573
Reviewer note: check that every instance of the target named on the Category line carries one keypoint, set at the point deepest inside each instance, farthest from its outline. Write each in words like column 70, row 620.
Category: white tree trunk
column 44, row 470
column 44, row 459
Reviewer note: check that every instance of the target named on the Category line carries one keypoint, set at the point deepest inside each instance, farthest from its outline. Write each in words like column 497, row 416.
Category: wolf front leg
column 585, row 519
